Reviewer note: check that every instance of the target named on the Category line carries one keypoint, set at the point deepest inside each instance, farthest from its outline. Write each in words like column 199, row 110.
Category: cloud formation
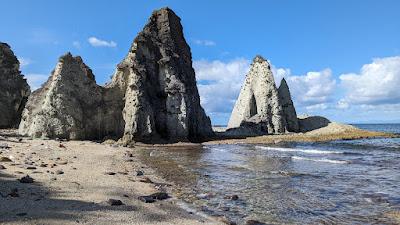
column 204, row 42
column 376, row 84
column 24, row 61
column 96, row 42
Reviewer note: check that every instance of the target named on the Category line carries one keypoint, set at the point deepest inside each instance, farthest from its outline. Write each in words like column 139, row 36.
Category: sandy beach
column 73, row 182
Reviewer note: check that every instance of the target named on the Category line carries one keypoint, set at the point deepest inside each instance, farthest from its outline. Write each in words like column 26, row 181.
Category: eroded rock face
column 71, row 105
column 14, row 90
column 259, row 98
column 289, row 111
column 159, row 85
column 309, row 123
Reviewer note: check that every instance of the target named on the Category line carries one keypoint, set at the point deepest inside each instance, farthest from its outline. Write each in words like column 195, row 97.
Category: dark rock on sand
column 5, row 159
column 114, row 202
column 312, row 123
column 26, row 179
column 146, row 199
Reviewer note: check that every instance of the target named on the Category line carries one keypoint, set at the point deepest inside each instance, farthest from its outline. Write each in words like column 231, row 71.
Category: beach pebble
column 2, row 167
column 139, row 173
column 5, row 159
column 109, row 173
column 159, row 195
column 59, row 172
column 114, row 202
column 146, row 180
column 31, row 168
column 146, row 199
column 26, row 179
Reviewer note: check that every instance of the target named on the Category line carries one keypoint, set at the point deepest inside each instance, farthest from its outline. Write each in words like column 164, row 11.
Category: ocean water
column 340, row 182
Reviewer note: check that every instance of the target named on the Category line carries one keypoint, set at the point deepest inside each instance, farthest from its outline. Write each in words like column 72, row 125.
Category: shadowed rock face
column 71, row 105
column 289, row 111
column 258, row 101
column 159, row 85
column 14, row 90
column 152, row 97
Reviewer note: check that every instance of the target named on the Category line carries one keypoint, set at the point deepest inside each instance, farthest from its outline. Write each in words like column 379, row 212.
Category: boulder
column 158, row 83
column 309, row 123
column 14, row 90
column 289, row 112
column 259, row 98
column 70, row 105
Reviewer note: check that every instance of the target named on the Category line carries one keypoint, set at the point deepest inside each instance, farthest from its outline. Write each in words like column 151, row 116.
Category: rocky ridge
column 14, row 90
column 152, row 97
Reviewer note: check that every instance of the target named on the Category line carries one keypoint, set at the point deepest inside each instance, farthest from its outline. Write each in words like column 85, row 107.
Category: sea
column 338, row 182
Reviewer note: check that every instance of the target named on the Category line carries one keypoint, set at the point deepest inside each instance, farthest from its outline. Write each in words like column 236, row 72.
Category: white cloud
column 317, row 107
column 77, row 44
column 342, row 104
column 95, row 42
column 219, row 83
column 24, row 61
column 204, row 42
column 35, row 80
column 377, row 83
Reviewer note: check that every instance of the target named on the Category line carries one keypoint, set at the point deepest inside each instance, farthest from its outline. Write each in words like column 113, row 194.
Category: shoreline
column 79, row 193
column 74, row 181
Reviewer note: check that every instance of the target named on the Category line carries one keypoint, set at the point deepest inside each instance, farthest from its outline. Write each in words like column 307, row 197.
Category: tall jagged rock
column 289, row 111
column 14, row 90
column 159, row 85
column 71, row 105
column 258, row 101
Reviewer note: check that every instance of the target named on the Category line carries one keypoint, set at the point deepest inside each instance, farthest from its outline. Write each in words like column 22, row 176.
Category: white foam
column 320, row 160
column 308, row 151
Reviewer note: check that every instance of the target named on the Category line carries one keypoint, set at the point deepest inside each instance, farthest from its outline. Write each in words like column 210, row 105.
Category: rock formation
column 289, row 111
column 14, row 90
column 159, row 84
column 152, row 96
column 71, row 105
column 309, row 123
column 258, row 102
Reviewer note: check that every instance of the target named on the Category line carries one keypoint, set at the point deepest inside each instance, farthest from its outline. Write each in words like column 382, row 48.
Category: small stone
column 26, row 179
column 2, row 167
column 110, row 173
column 114, row 202
column 5, row 159
column 63, row 162
column 53, row 179
column 14, row 193
column 146, row 199
column 159, row 196
column 4, row 146
column 43, row 165
column 139, row 173
column 31, row 168
column 59, row 172
column 61, row 146
column 146, row 180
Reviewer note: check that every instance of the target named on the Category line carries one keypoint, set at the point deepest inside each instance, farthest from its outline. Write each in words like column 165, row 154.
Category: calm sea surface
column 340, row 182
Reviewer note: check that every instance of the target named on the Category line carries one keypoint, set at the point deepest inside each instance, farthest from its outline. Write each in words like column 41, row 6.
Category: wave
column 308, row 151
column 320, row 160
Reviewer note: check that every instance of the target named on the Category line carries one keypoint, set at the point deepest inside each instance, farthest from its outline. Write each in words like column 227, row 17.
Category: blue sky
column 341, row 58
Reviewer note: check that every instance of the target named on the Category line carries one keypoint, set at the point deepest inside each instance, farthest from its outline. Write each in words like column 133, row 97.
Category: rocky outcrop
column 159, row 85
column 152, row 97
column 289, row 111
column 14, row 90
column 309, row 123
column 71, row 105
column 258, row 102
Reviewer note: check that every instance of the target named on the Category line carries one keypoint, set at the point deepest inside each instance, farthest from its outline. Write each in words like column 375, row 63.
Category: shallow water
column 340, row 182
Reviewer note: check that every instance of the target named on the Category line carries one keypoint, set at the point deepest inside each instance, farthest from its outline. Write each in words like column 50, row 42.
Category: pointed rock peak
column 283, row 84
column 68, row 60
column 259, row 59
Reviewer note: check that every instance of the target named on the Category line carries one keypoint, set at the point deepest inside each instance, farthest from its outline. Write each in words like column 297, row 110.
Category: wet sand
column 74, row 180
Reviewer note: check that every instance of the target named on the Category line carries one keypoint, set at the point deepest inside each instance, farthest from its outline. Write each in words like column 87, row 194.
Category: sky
column 341, row 58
